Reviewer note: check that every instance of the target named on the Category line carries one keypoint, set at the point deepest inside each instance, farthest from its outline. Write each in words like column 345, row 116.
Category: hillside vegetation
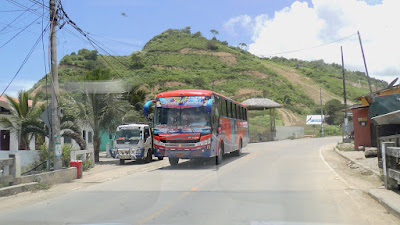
column 179, row 59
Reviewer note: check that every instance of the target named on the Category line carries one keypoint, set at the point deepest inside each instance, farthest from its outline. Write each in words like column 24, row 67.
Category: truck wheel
column 173, row 161
column 121, row 161
column 149, row 156
column 160, row 157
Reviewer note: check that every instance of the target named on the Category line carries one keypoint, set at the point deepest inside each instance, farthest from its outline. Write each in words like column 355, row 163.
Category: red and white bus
column 195, row 123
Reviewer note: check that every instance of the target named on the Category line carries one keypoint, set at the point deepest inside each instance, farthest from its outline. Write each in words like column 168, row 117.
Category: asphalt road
column 286, row 182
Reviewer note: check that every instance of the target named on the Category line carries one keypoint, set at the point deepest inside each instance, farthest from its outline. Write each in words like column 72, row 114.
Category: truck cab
column 133, row 142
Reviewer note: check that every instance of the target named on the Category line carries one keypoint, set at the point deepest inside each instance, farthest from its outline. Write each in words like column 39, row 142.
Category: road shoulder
column 364, row 175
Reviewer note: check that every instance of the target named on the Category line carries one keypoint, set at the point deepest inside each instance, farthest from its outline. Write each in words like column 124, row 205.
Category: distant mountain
column 179, row 59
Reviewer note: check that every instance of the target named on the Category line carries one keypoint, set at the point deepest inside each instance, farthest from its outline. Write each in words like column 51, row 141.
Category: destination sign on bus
column 181, row 102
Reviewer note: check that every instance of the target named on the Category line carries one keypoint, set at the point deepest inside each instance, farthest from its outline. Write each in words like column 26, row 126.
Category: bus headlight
column 205, row 142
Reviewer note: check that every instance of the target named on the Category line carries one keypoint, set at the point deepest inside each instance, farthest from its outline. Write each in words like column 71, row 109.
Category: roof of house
column 4, row 99
column 261, row 103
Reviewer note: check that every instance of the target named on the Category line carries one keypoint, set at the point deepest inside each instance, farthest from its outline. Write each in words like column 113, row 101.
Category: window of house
column 90, row 137
column 67, row 140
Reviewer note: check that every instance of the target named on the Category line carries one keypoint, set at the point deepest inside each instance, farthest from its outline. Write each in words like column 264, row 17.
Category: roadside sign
column 46, row 116
column 314, row 120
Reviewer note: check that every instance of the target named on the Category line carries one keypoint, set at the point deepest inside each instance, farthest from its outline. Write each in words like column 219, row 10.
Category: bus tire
column 218, row 158
column 160, row 157
column 121, row 161
column 173, row 161
column 239, row 151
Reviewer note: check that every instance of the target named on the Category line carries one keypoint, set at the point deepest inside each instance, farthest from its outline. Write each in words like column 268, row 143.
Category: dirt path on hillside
column 306, row 84
column 289, row 118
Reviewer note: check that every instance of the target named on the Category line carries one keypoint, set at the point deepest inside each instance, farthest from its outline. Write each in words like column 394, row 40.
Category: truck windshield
column 129, row 134
column 191, row 117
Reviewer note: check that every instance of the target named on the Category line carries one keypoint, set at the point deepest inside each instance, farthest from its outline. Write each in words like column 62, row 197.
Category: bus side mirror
column 146, row 108
column 209, row 106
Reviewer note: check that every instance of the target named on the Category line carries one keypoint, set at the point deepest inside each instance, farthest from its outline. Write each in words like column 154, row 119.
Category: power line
column 15, row 19
column 303, row 49
column 26, row 59
column 12, row 38
column 29, row 9
column 91, row 41
column 121, row 42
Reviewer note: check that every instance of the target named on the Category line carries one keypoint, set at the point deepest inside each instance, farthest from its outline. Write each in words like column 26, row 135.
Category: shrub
column 211, row 46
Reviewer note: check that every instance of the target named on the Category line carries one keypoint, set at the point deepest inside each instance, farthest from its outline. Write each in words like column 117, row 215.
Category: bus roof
column 192, row 92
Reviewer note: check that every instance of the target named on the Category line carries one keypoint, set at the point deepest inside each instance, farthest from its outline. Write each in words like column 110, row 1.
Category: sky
column 268, row 27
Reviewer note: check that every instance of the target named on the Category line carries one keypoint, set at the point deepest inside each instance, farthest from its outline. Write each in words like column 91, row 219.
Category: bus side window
column 227, row 109
column 230, row 109
column 240, row 112
column 245, row 114
column 236, row 112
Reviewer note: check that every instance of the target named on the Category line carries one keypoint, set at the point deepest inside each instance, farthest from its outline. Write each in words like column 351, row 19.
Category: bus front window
column 188, row 117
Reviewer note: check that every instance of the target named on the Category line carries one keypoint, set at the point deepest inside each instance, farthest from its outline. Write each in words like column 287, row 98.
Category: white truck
column 133, row 142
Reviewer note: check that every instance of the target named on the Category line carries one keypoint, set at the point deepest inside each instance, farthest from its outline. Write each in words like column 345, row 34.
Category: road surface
column 285, row 182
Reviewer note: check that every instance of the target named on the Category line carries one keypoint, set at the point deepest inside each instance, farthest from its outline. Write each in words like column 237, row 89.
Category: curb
column 360, row 164
column 391, row 209
column 15, row 189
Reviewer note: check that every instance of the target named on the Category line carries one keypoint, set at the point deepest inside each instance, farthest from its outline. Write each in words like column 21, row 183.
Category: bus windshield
column 188, row 117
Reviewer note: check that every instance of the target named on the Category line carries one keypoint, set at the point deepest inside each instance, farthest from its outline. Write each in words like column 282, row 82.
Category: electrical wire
column 29, row 9
column 303, row 49
column 12, row 38
column 26, row 59
column 15, row 19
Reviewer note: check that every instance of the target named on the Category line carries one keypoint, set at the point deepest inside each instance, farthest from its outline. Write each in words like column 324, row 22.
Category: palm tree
column 68, row 124
column 22, row 113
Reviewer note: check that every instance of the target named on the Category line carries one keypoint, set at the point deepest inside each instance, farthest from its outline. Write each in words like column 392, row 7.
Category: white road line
column 337, row 175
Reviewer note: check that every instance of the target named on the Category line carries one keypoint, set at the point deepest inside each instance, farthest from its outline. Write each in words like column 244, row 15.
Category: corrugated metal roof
column 261, row 103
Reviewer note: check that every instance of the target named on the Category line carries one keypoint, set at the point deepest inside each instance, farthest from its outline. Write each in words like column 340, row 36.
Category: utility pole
column 346, row 129
column 322, row 115
column 55, row 112
column 365, row 64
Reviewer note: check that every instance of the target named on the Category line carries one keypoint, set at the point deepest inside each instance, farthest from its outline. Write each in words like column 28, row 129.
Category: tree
column 243, row 46
column 214, row 32
column 21, row 114
column 68, row 123
column 104, row 112
column 333, row 109
column 136, row 60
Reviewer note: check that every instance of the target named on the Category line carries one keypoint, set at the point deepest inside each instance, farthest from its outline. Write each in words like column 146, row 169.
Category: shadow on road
column 203, row 164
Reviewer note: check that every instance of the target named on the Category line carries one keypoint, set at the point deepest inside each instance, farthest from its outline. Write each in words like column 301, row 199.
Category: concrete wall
column 52, row 177
column 28, row 157
column 283, row 132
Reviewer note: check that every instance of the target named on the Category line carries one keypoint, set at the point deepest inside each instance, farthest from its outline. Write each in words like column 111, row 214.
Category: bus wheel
column 218, row 158
column 239, row 151
column 121, row 161
column 160, row 157
column 149, row 156
column 173, row 161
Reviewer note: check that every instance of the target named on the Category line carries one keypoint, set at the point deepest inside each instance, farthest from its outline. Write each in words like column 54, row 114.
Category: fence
column 85, row 154
column 392, row 138
column 390, row 164
column 10, row 169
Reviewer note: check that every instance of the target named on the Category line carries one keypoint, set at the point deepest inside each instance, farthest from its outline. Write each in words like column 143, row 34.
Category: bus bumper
column 175, row 152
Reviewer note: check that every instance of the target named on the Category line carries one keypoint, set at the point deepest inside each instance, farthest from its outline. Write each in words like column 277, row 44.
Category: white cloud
column 242, row 21
column 303, row 26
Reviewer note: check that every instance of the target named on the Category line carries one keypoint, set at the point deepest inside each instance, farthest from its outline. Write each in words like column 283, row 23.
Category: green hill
column 178, row 59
